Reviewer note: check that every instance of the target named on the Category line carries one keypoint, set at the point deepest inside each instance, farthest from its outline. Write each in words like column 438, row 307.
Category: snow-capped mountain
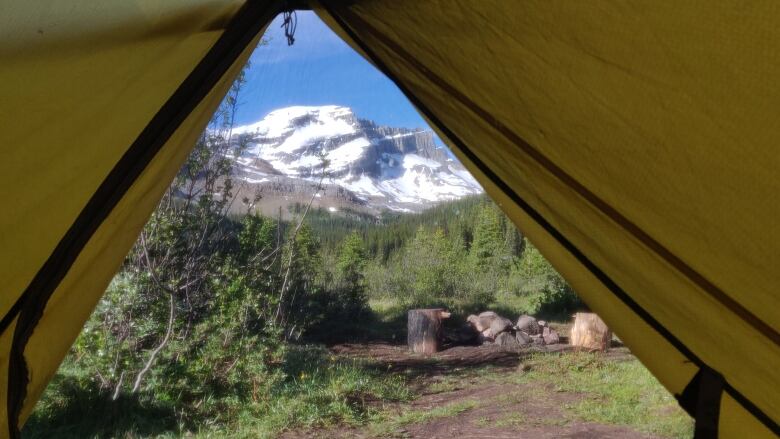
column 362, row 162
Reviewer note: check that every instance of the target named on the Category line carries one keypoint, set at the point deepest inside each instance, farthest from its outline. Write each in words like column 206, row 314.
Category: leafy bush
column 557, row 300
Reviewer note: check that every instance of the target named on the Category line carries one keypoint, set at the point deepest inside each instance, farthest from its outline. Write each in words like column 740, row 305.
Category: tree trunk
column 424, row 329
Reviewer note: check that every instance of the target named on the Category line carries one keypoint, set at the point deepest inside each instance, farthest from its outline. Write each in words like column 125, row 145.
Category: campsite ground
column 378, row 389
column 483, row 392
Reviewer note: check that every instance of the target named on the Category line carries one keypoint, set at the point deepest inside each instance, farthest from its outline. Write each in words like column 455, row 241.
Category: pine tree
column 352, row 261
column 487, row 247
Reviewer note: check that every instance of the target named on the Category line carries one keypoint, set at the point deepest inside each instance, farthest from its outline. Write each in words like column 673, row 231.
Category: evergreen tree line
column 389, row 232
column 464, row 254
column 467, row 256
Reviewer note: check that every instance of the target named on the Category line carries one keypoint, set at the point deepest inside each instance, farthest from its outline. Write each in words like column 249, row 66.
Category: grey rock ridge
column 364, row 164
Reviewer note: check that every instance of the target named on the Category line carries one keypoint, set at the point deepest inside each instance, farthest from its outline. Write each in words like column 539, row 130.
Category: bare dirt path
column 467, row 392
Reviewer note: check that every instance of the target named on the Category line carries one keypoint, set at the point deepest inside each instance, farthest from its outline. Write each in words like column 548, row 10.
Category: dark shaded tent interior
column 648, row 126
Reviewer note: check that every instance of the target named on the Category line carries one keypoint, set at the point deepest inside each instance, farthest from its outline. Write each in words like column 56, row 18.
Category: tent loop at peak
column 290, row 24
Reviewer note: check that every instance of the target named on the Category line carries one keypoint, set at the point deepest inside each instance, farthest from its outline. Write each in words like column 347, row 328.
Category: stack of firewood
column 588, row 332
column 495, row 329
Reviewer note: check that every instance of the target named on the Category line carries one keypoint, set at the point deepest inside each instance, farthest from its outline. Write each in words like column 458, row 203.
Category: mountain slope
column 364, row 164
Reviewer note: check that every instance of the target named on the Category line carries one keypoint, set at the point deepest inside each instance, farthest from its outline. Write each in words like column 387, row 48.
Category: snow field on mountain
column 294, row 141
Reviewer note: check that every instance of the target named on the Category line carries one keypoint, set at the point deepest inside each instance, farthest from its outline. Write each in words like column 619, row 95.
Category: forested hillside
column 387, row 233
column 461, row 254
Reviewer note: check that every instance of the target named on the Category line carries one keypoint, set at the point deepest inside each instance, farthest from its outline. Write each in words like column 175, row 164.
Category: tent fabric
column 634, row 144
column 105, row 101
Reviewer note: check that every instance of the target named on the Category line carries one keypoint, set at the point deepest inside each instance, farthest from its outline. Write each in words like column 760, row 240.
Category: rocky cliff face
column 373, row 165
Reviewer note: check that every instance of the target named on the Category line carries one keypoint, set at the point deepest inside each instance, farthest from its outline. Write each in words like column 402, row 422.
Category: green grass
column 322, row 391
column 320, row 395
column 384, row 425
column 616, row 392
column 514, row 304
column 319, row 390
column 510, row 420
column 74, row 407
column 445, row 385
column 385, row 307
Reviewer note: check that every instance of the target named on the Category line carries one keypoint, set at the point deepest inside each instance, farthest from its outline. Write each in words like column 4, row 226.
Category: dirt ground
column 485, row 408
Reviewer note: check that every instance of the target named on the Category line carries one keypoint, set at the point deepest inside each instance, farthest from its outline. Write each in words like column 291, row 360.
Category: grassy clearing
column 320, row 390
column 444, row 386
column 617, row 392
column 508, row 304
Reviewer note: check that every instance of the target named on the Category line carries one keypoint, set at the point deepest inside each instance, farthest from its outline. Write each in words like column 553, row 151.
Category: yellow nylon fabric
column 75, row 99
column 736, row 422
column 79, row 82
column 101, row 258
column 663, row 113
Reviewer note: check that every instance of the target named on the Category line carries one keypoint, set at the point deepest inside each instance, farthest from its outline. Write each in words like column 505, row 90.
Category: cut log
column 528, row 325
column 489, row 324
column 590, row 332
column 550, row 336
column 424, row 329
column 522, row 338
column 507, row 341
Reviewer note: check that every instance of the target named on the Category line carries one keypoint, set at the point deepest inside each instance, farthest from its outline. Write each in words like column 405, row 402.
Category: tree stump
column 590, row 332
column 424, row 329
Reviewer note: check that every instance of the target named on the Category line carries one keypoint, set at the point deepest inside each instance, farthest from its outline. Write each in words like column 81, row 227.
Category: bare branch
column 118, row 387
column 292, row 249
column 153, row 356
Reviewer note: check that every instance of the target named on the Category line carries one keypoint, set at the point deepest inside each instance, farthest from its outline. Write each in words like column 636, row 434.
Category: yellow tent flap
column 635, row 144
column 105, row 102
column 632, row 144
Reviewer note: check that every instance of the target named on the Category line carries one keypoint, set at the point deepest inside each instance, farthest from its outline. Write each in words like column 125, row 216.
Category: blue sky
column 319, row 69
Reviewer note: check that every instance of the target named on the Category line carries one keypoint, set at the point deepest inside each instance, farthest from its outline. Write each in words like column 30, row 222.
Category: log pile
column 492, row 328
column 538, row 332
column 426, row 335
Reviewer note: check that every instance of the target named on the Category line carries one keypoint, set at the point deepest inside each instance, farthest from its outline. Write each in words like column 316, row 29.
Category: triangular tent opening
column 649, row 129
